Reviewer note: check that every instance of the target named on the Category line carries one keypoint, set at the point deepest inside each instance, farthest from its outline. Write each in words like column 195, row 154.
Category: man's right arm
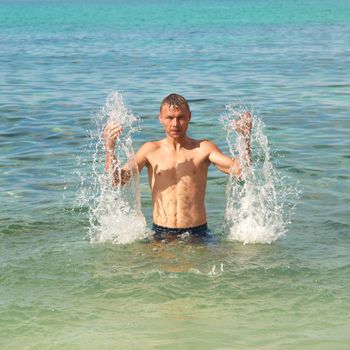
column 121, row 175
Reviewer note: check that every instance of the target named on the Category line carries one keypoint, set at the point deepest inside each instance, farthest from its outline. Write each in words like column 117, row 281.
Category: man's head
column 175, row 115
column 175, row 100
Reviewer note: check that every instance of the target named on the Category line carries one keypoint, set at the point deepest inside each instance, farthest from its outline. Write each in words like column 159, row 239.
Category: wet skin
column 177, row 168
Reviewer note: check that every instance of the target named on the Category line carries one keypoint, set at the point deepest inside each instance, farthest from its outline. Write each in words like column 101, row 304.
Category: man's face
column 175, row 120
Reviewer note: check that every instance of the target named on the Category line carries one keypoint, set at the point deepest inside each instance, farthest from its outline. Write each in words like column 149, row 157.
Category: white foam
column 114, row 212
column 258, row 208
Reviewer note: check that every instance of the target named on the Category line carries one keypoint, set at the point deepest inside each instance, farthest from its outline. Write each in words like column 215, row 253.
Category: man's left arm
column 230, row 165
column 224, row 163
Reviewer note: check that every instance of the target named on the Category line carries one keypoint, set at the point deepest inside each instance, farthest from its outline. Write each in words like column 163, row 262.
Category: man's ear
column 160, row 118
column 190, row 115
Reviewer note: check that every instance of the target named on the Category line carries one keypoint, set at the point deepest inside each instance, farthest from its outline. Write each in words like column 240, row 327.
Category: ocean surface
column 287, row 60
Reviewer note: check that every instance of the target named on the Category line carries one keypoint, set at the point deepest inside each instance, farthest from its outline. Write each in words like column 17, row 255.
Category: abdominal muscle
column 180, row 205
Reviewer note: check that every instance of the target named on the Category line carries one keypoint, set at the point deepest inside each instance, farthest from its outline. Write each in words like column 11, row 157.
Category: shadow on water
column 185, row 255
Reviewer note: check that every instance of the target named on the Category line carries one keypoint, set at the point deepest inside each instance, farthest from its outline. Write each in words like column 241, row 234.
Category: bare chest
column 174, row 167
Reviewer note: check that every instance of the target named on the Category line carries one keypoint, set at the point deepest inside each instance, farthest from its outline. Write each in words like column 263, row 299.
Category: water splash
column 258, row 208
column 114, row 212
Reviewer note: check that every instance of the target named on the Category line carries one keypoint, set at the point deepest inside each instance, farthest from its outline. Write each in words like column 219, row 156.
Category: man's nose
column 175, row 121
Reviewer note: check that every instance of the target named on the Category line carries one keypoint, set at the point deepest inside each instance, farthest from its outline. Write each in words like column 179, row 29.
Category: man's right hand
column 111, row 132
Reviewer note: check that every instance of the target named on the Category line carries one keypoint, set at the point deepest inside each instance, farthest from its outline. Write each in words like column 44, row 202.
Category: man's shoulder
column 150, row 146
column 206, row 144
column 146, row 151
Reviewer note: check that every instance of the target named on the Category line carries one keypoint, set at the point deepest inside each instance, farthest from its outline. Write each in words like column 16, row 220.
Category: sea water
column 59, row 289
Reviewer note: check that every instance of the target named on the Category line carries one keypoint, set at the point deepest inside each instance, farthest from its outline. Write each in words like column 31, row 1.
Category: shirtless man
column 177, row 168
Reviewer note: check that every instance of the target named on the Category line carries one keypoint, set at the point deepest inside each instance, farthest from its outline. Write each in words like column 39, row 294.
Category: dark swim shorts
column 161, row 231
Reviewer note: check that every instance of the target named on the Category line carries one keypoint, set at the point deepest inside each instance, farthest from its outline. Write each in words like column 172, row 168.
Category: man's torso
column 178, row 182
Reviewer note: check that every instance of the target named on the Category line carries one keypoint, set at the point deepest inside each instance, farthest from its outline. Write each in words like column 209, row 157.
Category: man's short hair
column 174, row 100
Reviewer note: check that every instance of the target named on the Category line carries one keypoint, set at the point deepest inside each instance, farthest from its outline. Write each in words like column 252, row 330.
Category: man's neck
column 176, row 144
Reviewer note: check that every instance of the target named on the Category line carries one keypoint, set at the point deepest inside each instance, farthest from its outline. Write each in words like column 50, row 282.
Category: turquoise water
column 289, row 60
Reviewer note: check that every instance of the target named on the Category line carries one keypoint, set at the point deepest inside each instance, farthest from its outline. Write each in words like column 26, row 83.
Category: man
column 177, row 168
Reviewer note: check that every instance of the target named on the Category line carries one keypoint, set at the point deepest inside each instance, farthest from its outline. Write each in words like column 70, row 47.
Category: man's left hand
column 243, row 125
